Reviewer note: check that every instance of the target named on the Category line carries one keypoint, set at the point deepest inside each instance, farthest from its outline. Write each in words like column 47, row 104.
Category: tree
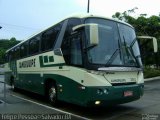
column 117, row 15
column 2, row 53
column 4, row 45
column 144, row 26
column 125, row 16
column 13, row 39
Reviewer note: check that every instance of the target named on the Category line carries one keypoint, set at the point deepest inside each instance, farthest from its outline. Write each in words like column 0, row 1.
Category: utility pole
column 88, row 6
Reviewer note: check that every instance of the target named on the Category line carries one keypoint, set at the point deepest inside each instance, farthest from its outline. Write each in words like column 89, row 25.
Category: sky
column 22, row 18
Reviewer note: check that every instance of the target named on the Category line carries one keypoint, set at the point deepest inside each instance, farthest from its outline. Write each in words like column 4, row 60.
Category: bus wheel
column 52, row 95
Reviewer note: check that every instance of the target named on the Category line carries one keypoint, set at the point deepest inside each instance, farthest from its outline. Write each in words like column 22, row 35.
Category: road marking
column 51, row 107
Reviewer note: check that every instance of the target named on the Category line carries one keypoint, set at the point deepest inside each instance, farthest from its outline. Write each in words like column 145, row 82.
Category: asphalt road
column 147, row 108
column 1, row 77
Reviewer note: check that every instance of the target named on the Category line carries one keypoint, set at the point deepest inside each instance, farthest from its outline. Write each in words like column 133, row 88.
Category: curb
column 151, row 79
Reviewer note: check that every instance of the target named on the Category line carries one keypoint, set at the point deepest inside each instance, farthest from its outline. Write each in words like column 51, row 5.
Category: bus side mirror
column 93, row 32
column 58, row 52
column 155, row 44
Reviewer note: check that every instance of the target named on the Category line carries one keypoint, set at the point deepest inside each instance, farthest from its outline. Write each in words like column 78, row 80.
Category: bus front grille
column 120, row 84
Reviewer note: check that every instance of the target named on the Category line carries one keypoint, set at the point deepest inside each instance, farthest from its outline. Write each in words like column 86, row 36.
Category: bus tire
column 52, row 94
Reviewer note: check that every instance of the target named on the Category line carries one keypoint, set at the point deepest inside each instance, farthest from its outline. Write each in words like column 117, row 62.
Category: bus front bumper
column 113, row 95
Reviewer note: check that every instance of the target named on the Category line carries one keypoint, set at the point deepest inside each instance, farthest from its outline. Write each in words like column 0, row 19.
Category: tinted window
column 12, row 55
column 71, row 23
column 66, row 40
column 76, row 54
column 17, row 53
column 34, row 45
column 49, row 37
column 24, row 49
column 6, row 57
column 128, row 35
column 108, row 43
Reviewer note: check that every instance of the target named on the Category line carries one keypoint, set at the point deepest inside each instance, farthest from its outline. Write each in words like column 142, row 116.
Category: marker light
column 106, row 91
column 99, row 91
column 61, row 90
column 82, row 87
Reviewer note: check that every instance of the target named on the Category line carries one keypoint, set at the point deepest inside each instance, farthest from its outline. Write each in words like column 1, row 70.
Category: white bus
column 85, row 60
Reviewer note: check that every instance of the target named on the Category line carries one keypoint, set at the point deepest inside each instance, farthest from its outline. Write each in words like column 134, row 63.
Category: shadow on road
column 94, row 112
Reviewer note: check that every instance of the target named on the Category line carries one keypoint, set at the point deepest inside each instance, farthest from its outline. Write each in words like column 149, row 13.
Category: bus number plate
column 128, row 93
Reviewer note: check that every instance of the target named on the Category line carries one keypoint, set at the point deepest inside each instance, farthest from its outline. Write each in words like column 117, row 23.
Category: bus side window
column 49, row 37
column 71, row 23
column 24, row 50
column 7, row 57
column 66, row 39
column 12, row 55
column 17, row 53
column 76, row 51
column 34, row 45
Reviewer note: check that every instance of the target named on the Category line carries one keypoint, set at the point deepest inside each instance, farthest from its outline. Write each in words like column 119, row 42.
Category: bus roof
column 81, row 16
column 97, row 16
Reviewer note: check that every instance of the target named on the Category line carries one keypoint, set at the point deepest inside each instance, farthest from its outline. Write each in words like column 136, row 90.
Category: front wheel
column 52, row 95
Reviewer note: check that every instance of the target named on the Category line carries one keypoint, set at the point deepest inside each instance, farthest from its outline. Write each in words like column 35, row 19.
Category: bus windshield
column 117, row 44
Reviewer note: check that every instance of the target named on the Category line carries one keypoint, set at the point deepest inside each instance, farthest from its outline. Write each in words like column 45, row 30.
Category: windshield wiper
column 114, row 55
column 134, row 41
column 130, row 50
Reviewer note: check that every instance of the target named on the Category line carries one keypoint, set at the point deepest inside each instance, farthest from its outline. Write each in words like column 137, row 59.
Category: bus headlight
column 105, row 91
column 102, row 91
column 99, row 91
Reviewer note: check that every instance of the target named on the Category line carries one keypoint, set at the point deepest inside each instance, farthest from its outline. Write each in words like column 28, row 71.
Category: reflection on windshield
column 114, row 44
column 108, row 42
column 131, row 49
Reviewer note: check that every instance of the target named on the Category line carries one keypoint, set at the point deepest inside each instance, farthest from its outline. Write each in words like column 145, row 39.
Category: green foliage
column 13, row 39
column 117, row 15
column 150, row 72
column 144, row 26
column 4, row 45
column 2, row 52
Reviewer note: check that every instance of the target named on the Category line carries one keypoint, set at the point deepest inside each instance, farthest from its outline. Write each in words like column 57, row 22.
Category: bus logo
column 27, row 63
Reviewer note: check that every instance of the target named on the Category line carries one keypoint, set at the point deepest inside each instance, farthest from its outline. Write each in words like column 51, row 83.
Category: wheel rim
column 52, row 94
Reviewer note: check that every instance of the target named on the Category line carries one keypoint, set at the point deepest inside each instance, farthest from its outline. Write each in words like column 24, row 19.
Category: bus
column 86, row 60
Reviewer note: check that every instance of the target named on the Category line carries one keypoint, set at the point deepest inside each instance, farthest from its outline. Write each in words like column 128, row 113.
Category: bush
column 151, row 72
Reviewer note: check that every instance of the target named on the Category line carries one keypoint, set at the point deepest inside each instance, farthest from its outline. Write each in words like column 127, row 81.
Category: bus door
column 76, row 50
column 76, row 61
column 13, row 66
column 72, row 53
